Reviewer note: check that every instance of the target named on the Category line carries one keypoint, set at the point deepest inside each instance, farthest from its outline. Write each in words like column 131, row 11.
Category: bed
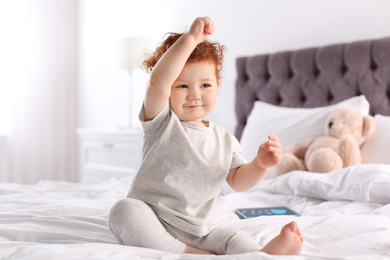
column 343, row 214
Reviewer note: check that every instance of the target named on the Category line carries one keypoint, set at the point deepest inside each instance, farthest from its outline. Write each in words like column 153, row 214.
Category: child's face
column 194, row 93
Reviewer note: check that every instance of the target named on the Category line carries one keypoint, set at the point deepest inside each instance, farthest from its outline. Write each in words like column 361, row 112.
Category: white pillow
column 291, row 125
column 376, row 147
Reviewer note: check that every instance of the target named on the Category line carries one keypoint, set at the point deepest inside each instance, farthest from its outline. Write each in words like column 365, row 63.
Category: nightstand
column 108, row 153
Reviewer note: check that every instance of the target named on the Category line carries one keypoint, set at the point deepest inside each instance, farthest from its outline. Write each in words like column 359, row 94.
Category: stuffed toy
column 346, row 130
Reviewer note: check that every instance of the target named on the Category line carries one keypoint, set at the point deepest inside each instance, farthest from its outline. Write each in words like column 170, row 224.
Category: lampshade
column 131, row 52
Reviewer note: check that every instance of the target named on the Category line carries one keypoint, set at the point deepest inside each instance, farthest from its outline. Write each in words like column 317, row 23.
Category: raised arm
column 170, row 65
column 249, row 175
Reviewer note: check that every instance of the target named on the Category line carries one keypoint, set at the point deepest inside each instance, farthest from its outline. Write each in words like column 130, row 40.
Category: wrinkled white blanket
column 344, row 215
column 362, row 183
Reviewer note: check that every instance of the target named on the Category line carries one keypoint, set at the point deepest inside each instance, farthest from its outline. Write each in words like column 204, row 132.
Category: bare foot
column 193, row 250
column 288, row 242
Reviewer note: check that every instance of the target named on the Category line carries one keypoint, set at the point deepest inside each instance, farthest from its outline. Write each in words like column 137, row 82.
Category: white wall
column 3, row 158
column 246, row 27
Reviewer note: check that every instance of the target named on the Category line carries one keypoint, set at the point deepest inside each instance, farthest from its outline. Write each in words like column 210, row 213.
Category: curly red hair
column 205, row 51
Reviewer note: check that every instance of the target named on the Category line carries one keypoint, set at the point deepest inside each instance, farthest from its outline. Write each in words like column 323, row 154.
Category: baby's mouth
column 193, row 106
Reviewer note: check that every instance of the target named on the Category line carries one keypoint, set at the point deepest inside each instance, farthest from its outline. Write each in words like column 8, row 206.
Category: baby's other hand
column 270, row 152
column 201, row 28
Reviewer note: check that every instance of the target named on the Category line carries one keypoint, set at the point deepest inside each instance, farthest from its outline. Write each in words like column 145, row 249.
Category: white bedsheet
column 345, row 215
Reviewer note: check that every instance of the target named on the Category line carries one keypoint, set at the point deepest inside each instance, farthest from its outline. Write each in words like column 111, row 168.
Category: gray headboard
column 315, row 77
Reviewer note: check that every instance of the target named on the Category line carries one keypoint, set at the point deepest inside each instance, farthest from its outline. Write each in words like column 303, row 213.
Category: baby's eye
column 205, row 85
column 183, row 86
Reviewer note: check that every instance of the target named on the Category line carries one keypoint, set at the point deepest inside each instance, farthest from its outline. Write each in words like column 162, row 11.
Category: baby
column 173, row 202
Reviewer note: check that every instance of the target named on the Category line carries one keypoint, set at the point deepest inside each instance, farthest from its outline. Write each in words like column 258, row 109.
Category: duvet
column 344, row 215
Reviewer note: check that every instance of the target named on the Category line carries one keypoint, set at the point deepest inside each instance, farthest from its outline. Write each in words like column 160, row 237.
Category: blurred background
column 62, row 65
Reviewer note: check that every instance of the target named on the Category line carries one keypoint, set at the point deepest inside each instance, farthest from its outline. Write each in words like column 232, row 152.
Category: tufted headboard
column 315, row 77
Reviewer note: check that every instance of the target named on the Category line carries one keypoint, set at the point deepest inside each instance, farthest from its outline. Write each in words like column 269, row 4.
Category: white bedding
column 344, row 215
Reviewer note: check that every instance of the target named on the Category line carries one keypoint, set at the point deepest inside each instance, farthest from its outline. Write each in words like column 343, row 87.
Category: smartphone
column 246, row 213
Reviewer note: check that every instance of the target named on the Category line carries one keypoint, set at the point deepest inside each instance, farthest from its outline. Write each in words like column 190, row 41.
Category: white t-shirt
column 183, row 169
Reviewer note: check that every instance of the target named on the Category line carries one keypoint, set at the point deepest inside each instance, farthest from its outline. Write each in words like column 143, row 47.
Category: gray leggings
column 134, row 223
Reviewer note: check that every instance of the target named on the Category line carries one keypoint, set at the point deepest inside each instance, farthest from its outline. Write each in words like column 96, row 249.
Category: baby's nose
column 194, row 94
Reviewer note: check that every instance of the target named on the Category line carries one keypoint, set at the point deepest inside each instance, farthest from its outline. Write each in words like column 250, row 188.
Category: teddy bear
column 346, row 130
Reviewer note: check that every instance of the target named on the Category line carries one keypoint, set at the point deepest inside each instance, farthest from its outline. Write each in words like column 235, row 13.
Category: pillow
column 376, row 148
column 291, row 125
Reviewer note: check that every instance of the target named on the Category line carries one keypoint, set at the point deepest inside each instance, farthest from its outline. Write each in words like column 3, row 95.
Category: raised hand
column 270, row 152
column 201, row 28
